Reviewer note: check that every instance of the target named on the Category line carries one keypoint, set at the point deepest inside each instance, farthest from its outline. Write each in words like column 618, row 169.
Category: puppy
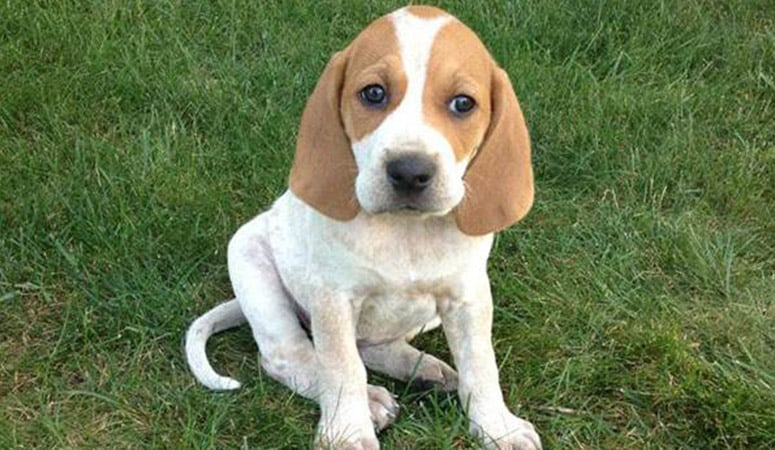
column 412, row 151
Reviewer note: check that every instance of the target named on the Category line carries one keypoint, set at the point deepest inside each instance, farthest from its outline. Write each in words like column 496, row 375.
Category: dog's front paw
column 346, row 433
column 334, row 443
column 505, row 431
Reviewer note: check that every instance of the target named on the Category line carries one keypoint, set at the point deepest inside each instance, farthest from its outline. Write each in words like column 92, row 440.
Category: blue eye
column 374, row 95
column 462, row 104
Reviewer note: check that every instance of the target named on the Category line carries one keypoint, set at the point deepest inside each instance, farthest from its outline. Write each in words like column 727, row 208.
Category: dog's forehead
column 411, row 33
column 418, row 26
column 373, row 43
column 426, row 57
column 416, row 29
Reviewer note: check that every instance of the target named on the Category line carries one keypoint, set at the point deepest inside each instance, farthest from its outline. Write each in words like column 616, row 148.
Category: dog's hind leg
column 398, row 359
column 287, row 353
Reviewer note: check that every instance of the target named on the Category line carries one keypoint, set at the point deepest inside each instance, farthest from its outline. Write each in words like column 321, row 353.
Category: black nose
column 411, row 173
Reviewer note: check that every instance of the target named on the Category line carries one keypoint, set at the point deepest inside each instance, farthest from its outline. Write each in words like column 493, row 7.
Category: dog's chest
column 398, row 275
column 394, row 270
column 384, row 318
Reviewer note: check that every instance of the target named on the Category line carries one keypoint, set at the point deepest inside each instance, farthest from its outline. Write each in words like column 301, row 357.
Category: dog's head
column 415, row 115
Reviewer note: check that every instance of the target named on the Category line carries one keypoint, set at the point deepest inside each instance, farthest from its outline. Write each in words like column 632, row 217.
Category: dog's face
column 415, row 109
column 414, row 115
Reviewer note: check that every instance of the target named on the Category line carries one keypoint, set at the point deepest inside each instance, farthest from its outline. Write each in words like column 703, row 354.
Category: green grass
column 635, row 304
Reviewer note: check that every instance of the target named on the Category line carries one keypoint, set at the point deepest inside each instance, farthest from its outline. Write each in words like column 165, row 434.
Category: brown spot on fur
column 324, row 170
column 374, row 59
column 459, row 65
column 499, row 180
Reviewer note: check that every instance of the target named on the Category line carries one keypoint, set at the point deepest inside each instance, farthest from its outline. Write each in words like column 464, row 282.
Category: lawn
column 635, row 306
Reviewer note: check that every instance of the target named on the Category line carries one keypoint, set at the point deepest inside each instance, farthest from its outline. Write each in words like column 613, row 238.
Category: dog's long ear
column 324, row 170
column 499, row 181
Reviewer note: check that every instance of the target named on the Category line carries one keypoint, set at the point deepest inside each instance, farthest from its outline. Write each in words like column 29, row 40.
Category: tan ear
column 324, row 170
column 499, row 181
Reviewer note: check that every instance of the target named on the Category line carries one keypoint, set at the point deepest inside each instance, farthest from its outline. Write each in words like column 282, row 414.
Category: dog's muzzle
column 410, row 175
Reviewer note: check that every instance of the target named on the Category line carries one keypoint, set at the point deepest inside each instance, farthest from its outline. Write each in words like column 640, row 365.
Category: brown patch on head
column 324, row 170
column 459, row 65
column 374, row 59
column 499, row 180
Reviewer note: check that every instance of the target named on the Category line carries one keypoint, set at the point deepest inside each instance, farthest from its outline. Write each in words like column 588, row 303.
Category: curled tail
column 224, row 316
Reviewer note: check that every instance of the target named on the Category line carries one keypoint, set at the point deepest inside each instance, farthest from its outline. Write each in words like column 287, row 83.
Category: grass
column 635, row 304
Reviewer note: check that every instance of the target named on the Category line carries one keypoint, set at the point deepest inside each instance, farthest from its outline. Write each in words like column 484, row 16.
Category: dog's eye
column 374, row 95
column 461, row 105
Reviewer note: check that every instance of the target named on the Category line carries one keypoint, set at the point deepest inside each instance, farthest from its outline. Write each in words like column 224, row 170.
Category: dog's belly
column 388, row 317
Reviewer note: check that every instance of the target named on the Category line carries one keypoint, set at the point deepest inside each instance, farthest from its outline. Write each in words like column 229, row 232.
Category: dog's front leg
column 467, row 323
column 345, row 421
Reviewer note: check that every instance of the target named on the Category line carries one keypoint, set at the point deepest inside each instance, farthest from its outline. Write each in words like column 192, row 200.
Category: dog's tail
column 224, row 316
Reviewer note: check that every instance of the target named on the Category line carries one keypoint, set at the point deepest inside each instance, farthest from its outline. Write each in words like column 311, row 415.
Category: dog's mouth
column 430, row 202
column 411, row 210
column 415, row 207
column 406, row 208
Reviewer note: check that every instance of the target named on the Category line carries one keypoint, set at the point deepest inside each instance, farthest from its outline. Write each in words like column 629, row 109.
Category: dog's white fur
column 365, row 287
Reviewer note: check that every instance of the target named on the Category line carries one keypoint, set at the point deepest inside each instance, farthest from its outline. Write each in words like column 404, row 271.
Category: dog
column 412, row 152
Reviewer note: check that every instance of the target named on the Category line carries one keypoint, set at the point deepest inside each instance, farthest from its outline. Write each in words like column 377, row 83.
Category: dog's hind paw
column 383, row 406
